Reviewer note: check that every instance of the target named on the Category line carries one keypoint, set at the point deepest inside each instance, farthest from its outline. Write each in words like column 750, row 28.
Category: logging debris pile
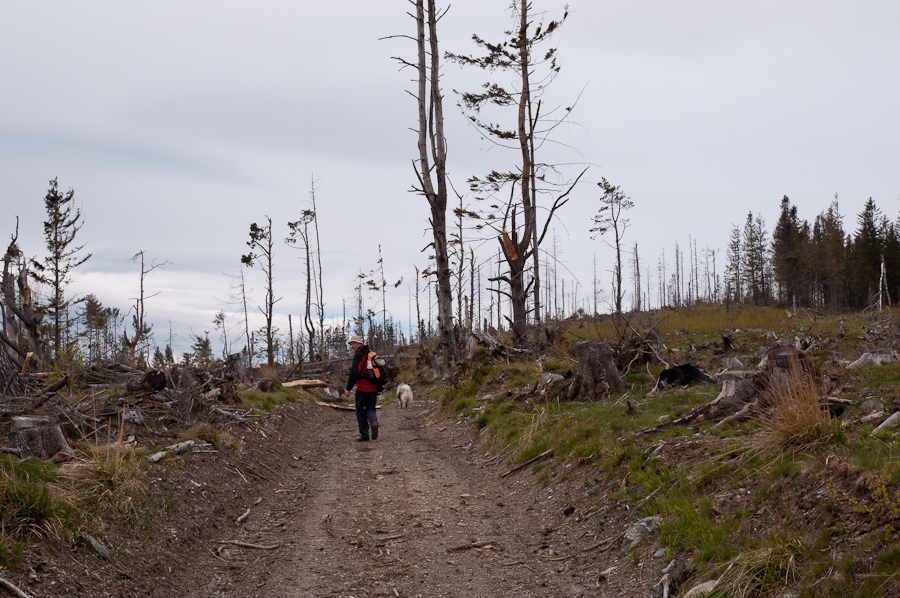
column 105, row 402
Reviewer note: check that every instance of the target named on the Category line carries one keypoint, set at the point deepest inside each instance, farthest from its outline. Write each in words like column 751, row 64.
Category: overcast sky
column 179, row 123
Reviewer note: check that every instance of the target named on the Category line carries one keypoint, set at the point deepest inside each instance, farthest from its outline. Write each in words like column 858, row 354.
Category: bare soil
column 419, row 512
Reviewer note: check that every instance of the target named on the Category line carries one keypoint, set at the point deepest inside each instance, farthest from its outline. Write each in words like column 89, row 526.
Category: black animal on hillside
column 683, row 375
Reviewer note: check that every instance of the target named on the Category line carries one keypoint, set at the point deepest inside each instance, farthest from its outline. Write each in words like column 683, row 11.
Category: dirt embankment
column 419, row 512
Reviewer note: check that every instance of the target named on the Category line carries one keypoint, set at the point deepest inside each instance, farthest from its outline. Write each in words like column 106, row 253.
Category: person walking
column 366, row 392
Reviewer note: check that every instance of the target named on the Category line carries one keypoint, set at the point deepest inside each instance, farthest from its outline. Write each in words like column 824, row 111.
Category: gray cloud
column 178, row 124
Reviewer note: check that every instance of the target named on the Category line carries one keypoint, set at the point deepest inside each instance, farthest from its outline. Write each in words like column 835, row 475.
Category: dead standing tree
column 519, row 239
column 140, row 328
column 20, row 308
column 300, row 233
column 610, row 216
column 261, row 253
column 319, row 288
column 431, row 167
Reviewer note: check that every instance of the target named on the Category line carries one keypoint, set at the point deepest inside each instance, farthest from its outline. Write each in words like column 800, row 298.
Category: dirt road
column 418, row 512
column 304, row 510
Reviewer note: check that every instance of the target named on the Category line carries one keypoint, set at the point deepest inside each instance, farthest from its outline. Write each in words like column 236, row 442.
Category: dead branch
column 246, row 545
column 470, row 545
column 9, row 586
column 739, row 415
column 527, row 463
column 602, row 544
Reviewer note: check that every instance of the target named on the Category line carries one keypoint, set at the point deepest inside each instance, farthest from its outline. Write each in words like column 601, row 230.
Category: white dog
column 404, row 396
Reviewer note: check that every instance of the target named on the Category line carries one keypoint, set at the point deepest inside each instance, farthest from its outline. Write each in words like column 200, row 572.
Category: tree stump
column 38, row 436
column 597, row 375
column 235, row 365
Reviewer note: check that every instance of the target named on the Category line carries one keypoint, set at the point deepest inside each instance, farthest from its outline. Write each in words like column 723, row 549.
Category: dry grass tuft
column 758, row 572
column 796, row 419
column 538, row 422
column 110, row 475
column 268, row 372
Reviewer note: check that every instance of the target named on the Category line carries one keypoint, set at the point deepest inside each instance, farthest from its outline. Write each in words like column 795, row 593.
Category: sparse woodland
column 746, row 397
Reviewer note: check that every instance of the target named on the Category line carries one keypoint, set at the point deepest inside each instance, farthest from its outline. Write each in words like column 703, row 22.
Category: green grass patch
column 872, row 453
column 689, row 525
column 29, row 509
column 254, row 399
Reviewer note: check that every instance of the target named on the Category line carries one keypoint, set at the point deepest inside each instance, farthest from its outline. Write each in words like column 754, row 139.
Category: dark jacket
column 362, row 385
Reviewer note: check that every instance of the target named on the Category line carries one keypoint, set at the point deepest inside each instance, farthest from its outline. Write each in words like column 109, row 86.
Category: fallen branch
column 735, row 416
column 241, row 519
column 471, row 545
column 386, row 564
column 609, row 542
column 246, row 545
column 674, row 573
column 892, row 422
column 527, row 463
column 175, row 449
column 13, row 589
column 340, row 407
column 305, row 384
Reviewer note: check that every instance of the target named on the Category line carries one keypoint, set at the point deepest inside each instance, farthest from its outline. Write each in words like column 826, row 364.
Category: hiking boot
column 374, row 430
column 362, row 438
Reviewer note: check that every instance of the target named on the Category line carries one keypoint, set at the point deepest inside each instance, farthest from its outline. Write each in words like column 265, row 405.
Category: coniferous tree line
column 822, row 265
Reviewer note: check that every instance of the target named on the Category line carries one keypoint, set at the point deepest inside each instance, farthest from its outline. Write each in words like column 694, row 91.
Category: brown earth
column 418, row 512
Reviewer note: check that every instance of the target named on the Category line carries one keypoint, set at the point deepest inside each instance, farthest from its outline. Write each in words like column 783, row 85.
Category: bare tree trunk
column 10, row 385
column 431, row 140
column 10, row 326
column 31, row 320
column 246, row 322
column 320, row 293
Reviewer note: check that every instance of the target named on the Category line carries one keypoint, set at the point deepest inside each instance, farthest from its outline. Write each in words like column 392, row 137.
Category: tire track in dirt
column 409, row 515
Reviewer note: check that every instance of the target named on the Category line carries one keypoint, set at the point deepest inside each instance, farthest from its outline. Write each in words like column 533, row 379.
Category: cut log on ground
column 175, row 449
column 305, row 384
column 892, row 422
column 492, row 345
column 874, row 358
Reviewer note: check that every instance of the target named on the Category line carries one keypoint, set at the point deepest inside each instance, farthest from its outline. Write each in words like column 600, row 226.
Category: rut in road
column 415, row 513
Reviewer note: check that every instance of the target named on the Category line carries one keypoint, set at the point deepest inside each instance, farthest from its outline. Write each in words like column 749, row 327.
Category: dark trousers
column 365, row 411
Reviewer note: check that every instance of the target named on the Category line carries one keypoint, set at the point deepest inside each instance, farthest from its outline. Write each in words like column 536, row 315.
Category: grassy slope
column 812, row 513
